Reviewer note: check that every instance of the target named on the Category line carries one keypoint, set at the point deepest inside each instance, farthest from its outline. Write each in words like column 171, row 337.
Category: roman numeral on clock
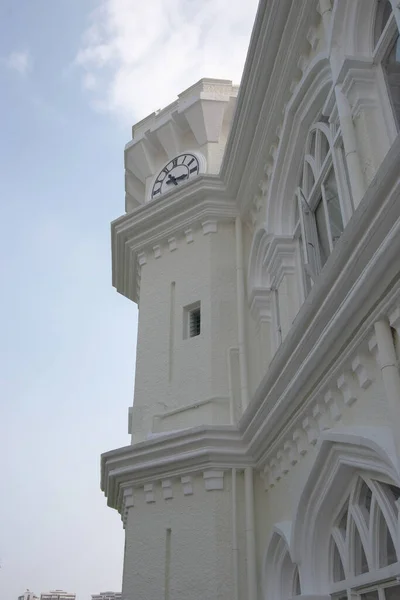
column 176, row 172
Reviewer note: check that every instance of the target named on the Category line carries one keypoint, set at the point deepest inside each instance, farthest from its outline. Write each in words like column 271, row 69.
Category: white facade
column 107, row 596
column 262, row 245
column 57, row 595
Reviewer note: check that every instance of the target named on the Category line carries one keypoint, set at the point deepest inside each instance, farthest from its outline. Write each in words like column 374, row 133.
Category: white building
column 107, row 596
column 57, row 595
column 28, row 595
column 262, row 245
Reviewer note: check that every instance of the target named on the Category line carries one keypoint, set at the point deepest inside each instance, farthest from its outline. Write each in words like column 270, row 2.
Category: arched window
column 387, row 51
column 322, row 198
column 364, row 551
column 282, row 579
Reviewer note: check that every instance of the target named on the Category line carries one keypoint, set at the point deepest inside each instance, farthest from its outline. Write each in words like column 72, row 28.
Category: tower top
column 198, row 122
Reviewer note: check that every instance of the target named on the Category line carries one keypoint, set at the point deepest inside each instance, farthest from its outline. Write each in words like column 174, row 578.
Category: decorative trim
column 172, row 244
column 361, row 367
column 187, row 485
column 149, row 493
column 142, row 259
column 209, row 227
column 280, row 258
column 261, row 305
column 189, row 235
column 202, row 200
column 334, row 404
column 157, row 251
column 312, row 37
column 311, row 429
column 127, row 503
column 321, row 416
column 166, row 486
column 213, row 480
column 345, row 384
column 301, row 441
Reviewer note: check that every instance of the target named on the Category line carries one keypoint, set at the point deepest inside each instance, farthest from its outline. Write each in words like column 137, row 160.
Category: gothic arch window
column 282, row 581
column 364, row 543
column 323, row 200
column 387, row 52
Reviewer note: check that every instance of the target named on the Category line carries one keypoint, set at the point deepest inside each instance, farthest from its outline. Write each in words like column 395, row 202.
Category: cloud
column 137, row 56
column 19, row 61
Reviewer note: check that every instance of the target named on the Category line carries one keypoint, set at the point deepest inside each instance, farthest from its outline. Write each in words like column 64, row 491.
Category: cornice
column 196, row 203
column 174, row 455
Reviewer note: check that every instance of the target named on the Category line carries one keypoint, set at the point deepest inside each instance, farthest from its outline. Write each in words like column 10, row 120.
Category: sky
column 74, row 76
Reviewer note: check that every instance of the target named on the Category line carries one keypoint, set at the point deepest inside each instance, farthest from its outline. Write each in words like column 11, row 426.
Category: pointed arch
column 256, row 274
column 353, row 26
column 280, row 574
column 341, row 454
column 303, row 109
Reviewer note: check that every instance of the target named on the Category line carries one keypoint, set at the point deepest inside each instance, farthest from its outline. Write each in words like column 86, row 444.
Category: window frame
column 188, row 312
column 368, row 523
column 319, row 166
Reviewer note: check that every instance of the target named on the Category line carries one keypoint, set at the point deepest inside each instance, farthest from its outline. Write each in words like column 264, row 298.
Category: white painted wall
column 201, row 544
column 171, row 375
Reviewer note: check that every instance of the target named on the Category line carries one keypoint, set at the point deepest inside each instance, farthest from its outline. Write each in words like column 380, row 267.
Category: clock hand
column 171, row 179
column 181, row 177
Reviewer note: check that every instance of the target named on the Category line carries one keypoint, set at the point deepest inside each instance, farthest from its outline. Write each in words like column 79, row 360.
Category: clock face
column 177, row 171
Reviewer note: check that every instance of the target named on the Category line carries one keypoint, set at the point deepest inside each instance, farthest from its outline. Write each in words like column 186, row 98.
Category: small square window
column 192, row 320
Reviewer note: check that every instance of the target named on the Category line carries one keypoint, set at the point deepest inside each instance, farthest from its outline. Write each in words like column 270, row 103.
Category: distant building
column 57, row 595
column 28, row 595
column 107, row 596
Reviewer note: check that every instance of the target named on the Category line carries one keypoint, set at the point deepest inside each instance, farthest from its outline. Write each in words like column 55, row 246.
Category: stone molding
column 201, row 205
column 213, row 480
column 280, row 259
column 261, row 304
column 323, row 411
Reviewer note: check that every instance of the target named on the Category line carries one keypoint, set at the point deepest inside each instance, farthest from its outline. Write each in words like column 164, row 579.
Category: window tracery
column 363, row 545
column 323, row 198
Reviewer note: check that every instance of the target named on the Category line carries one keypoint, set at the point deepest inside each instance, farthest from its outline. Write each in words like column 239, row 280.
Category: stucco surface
column 201, row 555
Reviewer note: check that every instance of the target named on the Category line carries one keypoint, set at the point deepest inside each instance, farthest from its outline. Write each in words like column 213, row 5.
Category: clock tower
column 174, row 255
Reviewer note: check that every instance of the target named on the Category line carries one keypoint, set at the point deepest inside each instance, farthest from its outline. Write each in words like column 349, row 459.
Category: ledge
column 171, row 455
column 151, row 224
